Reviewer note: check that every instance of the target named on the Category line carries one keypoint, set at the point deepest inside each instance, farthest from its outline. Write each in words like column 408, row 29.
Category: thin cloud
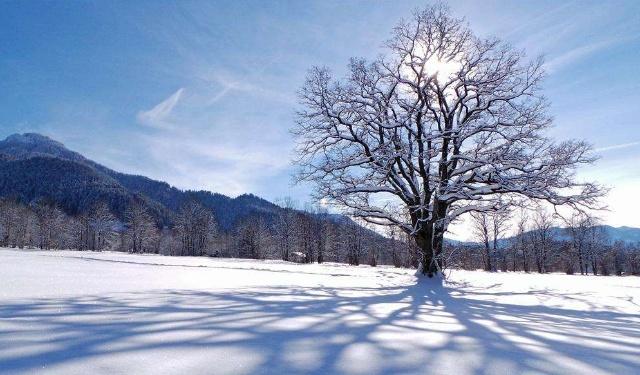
column 254, row 86
column 221, row 94
column 576, row 54
column 201, row 161
column 544, row 16
column 617, row 147
column 156, row 117
column 192, row 144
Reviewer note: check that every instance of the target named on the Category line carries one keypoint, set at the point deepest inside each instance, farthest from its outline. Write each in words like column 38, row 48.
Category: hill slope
column 33, row 167
column 611, row 234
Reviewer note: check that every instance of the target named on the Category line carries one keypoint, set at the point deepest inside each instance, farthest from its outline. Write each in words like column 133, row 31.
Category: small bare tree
column 580, row 225
column 490, row 227
column 7, row 221
column 305, row 241
column 354, row 243
column 633, row 260
column 500, row 220
column 542, row 237
column 196, row 229
column 481, row 226
column 444, row 124
column 595, row 249
column 101, row 222
column 141, row 230
column 397, row 247
column 284, row 227
column 51, row 225
column 252, row 238
column 521, row 242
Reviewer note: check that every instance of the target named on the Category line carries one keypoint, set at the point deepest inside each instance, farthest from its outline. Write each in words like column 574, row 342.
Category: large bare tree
column 442, row 124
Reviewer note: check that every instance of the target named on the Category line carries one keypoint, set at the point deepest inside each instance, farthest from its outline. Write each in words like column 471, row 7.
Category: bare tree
column 633, row 260
column 196, row 228
column 595, row 249
column 10, row 217
column 580, row 225
column 619, row 252
column 542, row 237
column 442, row 125
column 481, row 225
column 354, row 243
column 490, row 227
column 320, row 232
column 101, row 222
column 499, row 227
column 252, row 236
column 397, row 247
column 25, row 226
column 51, row 225
column 284, row 227
column 404, row 249
column 96, row 228
column 140, row 229
column 332, row 245
column 522, row 242
column 304, row 236
column 168, row 244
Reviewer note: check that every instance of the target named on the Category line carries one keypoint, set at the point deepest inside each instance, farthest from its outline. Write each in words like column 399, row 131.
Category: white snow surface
column 68, row 312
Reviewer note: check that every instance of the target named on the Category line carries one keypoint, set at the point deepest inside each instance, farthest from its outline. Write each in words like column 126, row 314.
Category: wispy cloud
column 576, row 54
column 544, row 16
column 208, row 161
column 251, row 85
column 617, row 147
column 157, row 116
column 233, row 147
column 219, row 95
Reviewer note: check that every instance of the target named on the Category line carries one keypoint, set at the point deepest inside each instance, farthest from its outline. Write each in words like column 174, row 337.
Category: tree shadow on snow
column 418, row 329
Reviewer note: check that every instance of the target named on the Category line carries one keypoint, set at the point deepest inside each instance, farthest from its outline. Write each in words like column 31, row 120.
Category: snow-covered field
column 67, row 312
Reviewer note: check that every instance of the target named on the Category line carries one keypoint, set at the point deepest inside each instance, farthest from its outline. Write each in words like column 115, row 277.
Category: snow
column 65, row 312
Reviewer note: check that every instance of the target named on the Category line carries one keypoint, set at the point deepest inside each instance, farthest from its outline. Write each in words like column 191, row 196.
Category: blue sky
column 202, row 94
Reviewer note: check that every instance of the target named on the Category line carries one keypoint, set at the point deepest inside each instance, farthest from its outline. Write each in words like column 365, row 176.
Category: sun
column 443, row 70
column 429, row 64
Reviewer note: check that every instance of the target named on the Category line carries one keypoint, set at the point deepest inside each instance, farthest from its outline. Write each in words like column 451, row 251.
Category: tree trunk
column 494, row 264
column 431, row 245
column 581, row 260
column 487, row 257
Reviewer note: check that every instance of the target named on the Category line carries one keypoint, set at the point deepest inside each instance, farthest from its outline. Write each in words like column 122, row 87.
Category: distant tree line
column 540, row 246
column 313, row 235
column 291, row 234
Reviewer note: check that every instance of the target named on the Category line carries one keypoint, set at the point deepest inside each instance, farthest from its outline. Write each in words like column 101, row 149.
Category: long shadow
column 419, row 329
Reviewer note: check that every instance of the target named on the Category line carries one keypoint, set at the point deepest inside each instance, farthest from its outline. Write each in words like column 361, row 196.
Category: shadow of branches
column 415, row 329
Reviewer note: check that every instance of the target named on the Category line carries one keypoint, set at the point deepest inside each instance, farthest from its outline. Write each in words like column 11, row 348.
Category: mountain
column 34, row 167
column 625, row 234
column 28, row 145
column 611, row 235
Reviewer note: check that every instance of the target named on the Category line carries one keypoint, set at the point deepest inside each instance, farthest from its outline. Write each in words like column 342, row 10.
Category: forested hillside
column 36, row 167
column 56, row 198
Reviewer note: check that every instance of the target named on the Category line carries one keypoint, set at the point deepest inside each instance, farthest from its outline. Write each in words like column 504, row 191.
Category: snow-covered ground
column 67, row 312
